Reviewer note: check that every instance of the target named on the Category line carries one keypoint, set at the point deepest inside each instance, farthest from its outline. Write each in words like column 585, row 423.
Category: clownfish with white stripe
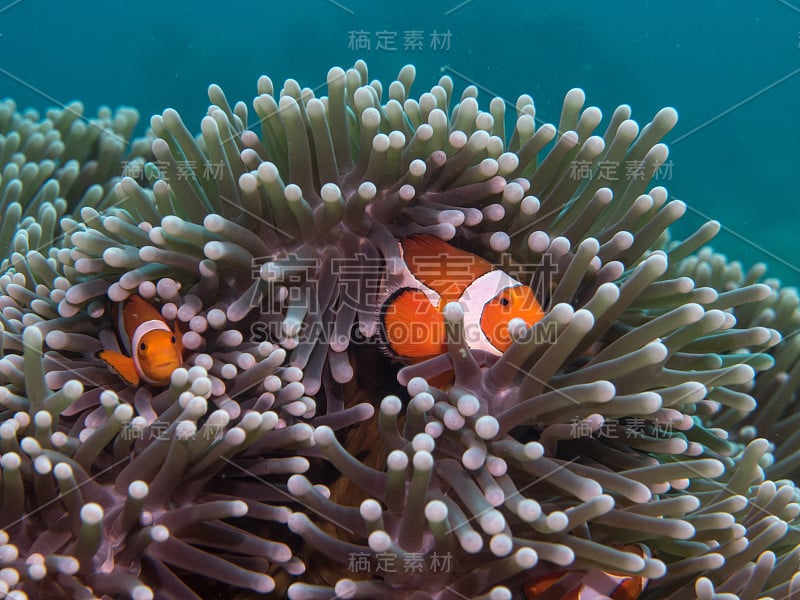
column 412, row 320
column 154, row 349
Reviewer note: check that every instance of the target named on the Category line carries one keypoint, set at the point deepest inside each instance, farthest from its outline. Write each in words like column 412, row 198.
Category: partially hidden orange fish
column 590, row 585
column 154, row 349
column 412, row 319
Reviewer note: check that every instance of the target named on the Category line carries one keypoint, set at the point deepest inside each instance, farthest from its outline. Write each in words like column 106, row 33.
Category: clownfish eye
column 172, row 339
column 504, row 301
column 142, row 346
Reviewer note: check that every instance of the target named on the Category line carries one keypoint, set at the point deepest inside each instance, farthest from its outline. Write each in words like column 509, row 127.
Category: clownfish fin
column 442, row 380
column 118, row 317
column 122, row 365
column 539, row 585
column 411, row 326
column 442, row 267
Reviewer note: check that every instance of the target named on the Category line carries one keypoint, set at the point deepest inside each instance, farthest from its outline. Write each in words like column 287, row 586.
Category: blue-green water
column 732, row 69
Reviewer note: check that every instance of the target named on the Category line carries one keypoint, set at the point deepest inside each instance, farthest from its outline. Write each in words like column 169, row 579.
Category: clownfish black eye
column 142, row 346
column 504, row 302
column 172, row 339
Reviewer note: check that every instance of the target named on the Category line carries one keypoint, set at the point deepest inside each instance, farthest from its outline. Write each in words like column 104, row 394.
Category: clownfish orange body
column 154, row 349
column 412, row 320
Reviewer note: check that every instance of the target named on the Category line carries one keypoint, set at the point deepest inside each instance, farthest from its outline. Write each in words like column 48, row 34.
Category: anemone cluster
column 646, row 426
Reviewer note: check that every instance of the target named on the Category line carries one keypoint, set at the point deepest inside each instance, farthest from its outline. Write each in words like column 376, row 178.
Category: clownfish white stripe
column 486, row 287
column 474, row 298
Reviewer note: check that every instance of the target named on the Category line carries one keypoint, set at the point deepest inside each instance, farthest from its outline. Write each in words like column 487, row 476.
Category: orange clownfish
column 589, row 585
column 155, row 349
column 412, row 320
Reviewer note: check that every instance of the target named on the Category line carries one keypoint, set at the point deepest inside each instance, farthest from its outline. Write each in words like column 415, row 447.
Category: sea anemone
column 289, row 454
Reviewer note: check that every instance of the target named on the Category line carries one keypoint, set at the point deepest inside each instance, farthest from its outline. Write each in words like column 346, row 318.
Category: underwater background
column 730, row 68
column 639, row 430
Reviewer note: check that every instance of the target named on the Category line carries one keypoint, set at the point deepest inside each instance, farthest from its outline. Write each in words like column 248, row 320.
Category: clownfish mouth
column 163, row 365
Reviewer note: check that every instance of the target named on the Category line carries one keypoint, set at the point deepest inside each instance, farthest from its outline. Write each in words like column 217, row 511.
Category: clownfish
column 154, row 349
column 411, row 318
column 589, row 585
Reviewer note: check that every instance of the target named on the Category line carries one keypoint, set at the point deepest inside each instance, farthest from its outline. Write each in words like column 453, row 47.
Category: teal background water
column 731, row 68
